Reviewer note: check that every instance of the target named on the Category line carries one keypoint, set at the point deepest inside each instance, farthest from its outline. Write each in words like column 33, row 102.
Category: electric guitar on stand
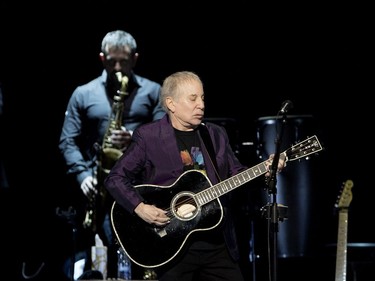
column 342, row 238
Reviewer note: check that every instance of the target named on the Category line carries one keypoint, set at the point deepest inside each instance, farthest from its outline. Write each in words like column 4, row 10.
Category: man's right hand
column 152, row 214
column 121, row 138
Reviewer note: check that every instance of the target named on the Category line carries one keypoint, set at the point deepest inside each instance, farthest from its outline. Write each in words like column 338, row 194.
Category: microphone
column 286, row 106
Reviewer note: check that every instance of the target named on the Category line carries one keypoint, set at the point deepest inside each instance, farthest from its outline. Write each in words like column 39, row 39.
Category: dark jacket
column 153, row 158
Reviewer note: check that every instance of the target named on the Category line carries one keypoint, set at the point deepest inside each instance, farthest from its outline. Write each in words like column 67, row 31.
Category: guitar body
column 150, row 246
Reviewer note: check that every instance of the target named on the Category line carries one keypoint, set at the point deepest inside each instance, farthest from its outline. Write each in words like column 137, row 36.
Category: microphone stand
column 273, row 210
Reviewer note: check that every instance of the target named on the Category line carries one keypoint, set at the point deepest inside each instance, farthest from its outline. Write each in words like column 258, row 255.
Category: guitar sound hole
column 184, row 207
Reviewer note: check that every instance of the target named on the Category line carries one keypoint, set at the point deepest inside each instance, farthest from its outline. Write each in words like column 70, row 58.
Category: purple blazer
column 153, row 158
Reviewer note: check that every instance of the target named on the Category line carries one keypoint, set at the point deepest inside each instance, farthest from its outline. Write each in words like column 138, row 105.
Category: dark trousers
column 204, row 265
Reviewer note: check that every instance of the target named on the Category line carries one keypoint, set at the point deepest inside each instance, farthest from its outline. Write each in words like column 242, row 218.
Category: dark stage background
column 251, row 57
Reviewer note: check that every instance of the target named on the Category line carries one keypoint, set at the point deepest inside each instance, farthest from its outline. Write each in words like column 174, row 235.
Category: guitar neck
column 230, row 184
column 297, row 151
column 342, row 238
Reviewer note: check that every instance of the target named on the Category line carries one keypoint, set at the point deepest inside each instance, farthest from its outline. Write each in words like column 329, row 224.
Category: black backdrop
column 251, row 58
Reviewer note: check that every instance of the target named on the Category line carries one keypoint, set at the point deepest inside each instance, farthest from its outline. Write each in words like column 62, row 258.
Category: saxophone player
column 86, row 122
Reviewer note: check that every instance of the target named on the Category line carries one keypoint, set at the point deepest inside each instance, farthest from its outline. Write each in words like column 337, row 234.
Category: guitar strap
column 209, row 146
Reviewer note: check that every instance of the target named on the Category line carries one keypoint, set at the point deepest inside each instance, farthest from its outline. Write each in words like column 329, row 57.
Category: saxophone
column 108, row 154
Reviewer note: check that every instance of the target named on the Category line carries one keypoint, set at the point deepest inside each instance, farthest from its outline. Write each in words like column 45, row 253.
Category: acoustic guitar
column 191, row 203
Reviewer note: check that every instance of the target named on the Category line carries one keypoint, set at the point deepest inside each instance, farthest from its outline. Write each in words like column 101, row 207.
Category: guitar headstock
column 303, row 149
column 346, row 195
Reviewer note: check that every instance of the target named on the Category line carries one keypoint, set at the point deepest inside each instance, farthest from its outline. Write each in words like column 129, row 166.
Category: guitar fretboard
column 228, row 185
column 342, row 239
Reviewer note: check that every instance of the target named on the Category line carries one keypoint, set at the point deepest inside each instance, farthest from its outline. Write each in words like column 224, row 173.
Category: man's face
column 119, row 60
column 188, row 107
